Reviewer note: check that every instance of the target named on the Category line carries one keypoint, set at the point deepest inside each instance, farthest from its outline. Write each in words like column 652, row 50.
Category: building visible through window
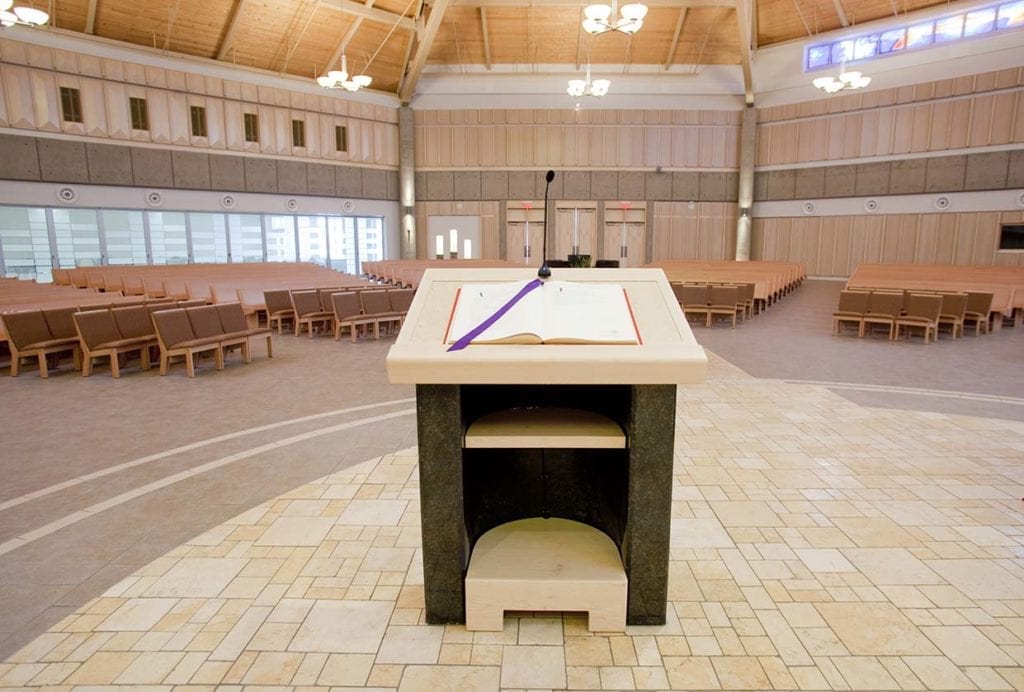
column 140, row 114
column 298, row 133
column 71, row 105
column 198, row 114
column 252, row 127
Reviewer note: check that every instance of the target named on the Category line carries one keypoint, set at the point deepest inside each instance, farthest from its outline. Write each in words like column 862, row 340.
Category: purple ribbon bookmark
column 483, row 326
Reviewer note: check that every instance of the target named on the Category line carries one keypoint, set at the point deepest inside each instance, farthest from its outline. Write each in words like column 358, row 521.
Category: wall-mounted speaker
column 348, row 206
column 808, row 207
column 292, row 204
column 942, row 203
column 67, row 195
column 154, row 199
column 871, row 205
column 227, row 201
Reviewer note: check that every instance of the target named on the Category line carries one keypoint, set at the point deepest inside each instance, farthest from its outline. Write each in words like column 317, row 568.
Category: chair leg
column 218, row 357
column 115, row 365
column 86, row 366
column 270, row 348
column 144, row 357
column 246, row 352
column 15, row 363
column 164, row 363
column 43, row 371
column 76, row 355
column 190, row 364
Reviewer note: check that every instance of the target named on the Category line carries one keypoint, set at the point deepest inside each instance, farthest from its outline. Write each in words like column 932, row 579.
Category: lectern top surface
column 669, row 353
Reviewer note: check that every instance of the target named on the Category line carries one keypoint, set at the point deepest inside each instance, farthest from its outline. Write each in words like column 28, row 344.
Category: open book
column 557, row 312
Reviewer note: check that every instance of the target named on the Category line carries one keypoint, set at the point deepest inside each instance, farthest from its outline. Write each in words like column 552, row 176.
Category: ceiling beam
column 841, row 12
column 228, row 41
column 576, row 3
column 743, row 21
column 345, row 40
column 366, row 11
column 90, row 17
column 426, row 41
column 675, row 39
column 487, row 41
column 800, row 12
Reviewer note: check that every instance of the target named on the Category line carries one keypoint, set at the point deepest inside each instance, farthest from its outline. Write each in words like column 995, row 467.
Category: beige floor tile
column 864, row 673
column 824, row 560
column 373, row 513
column 588, row 651
column 343, row 627
column 740, row 673
column 938, row 673
column 699, row 532
column 434, row 678
column 296, row 531
column 533, row 666
column 272, row 668
column 745, row 513
column 650, row 678
column 102, row 668
column 966, row 646
column 891, row 566
column 540, row 631
column 616, row 678
column 979, row 578
column 349, row 670
column 197, row 577
column 691, row 673
column 583, row 678
column 875, row 532
column 874, row 629
column 138, row 614
column 150, row 668
column 403, row 644
column 388, row 559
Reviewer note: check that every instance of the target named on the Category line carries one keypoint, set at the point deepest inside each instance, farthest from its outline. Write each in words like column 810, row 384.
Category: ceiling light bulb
column 822, row 82
column 861, row 82
column 633, row 10
column 362, row 80
column 849, row 77
column 6, row 5
column 325, row 82
column 597, row 12
column 592, row 26
column 338, row 75
column 8, row 19
column 629, row 26
column 32, row 16
column 599, row 87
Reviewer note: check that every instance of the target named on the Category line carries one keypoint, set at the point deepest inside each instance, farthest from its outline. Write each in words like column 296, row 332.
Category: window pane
column 126, row 237
column 817, row 56
column 893, row 40
column 313, row 239
column 842, row 51
column 280, row 238
column 1010, row 15
column 78, row 237
column 371, row 240
column 949, row 29
column 167, row 235
column 920, row 35
column 209, row 240
column 865, row 46
column 341, row 234
column 25, row 243
column 246, row 231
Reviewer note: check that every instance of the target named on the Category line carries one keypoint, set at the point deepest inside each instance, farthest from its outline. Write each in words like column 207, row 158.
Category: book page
column 477, row 302
column 586, row 313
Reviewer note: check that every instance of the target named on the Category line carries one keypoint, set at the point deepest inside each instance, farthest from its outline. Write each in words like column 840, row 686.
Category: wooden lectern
column 538, row 445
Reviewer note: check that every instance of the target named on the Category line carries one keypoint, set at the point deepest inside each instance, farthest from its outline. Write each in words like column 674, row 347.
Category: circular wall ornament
column 871, row 205
column 67, row 195
column 808, row 207
column 942, row 203
column 227, row 201
column 349, row 206
column 292, row 204
column 154, row 199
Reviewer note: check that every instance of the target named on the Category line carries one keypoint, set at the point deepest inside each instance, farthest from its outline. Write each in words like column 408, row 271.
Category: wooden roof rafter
column 744, row 21
column 675, row 38
column 425, row 41
column 487, row 40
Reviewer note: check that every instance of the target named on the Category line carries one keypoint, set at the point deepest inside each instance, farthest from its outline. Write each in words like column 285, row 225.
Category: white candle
column 453, row 240
column 439, row 245
column 467, row 248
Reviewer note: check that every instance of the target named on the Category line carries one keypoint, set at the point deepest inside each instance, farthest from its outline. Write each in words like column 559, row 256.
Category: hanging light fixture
column 339, row 79
column 601, row 18
column 846, row 80
column 586, row 87
column 29, row 16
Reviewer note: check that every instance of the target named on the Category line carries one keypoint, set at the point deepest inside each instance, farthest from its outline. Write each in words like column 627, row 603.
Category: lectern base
column 546, row 565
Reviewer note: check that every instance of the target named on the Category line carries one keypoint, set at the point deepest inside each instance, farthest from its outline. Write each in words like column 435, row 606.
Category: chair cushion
column 26, row 327
column 69, row 343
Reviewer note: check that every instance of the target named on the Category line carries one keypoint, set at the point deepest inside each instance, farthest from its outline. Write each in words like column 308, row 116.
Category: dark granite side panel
column 227, row 173
column 109, row 164
column 576, row 185
column 61, row 161
column 375, row 184
column 152, row 167
column 440, row 185
column 191, row 170
column 291, row 177
column 20, row 160
column 466, row 185
column 260, row 175
column 658, row 186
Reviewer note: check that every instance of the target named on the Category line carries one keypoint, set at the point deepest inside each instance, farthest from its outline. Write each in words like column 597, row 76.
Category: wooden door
column 575, row 232
column 524, row 235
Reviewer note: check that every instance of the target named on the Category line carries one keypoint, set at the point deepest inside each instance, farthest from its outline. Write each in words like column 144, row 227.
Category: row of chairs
column 711, row 300
column 338, row 308
column 903, row 311
column 216, row 328
column 52, row 332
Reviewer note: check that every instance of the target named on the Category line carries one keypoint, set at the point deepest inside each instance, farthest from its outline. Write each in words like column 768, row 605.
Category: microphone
column 545, row 271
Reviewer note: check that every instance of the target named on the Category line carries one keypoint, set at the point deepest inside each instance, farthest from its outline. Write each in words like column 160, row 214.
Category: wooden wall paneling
column 282, row 124
column 366, row 141
column 943, row 240
column 922, row 231
column 805, row 140
column 315, row 143
column 118, row 117
column 764, row 140
column 851, row 143
column 906, row 229
column 1003, row 114
column 234, row 134
column 158, row 106
column 827, row 246
column 884, row 132
column 500, row 145
column 836, row 135
column 4, row 119
column 938, row 134
column 921, row 135
column 445, row 144
column 812, row 245
column 134, row 73
column 981, row 121
column 790, row 142
column 965, row 225
column 1018, row 118
column 959, row 124
column 268, row 129
column 689, row 231
column 179, row 118
column 18, row 96
column 44, row 98
column 903, row 130
column 215, row 126
column 637, row 135
column 986, row 237
column 71, row 82
column 732, row 148
column 471, row 146
column 489, row 230
column 354, row 128
column 691, row 148
column 770, row 241
column 873, row 236
column 420, row 146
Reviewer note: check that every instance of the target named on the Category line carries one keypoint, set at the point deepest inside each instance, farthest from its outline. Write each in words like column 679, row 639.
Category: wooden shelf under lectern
column 583, row 433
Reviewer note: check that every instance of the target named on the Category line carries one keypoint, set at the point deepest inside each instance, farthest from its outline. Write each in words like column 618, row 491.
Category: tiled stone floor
column 816, row 544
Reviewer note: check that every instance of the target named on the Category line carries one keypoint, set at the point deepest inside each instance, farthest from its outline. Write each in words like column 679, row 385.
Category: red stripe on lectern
column 639, row 338
column 451, row 315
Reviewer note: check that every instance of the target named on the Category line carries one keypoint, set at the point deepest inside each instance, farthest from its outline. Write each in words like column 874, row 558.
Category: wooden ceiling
column 392, row 40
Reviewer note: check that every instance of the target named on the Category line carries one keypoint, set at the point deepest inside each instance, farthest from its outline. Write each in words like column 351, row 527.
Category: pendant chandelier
column 846, row 80
column 28, row 16
column 586, row 87
column 601, row 18
column 339, row 79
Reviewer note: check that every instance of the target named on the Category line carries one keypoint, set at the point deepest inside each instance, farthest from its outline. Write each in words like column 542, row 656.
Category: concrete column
column 407, row 182
column 745, row 197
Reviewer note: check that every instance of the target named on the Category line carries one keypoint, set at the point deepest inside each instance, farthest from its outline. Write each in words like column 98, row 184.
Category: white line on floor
column 892, row 389
column 43, row 492
column 117, row 500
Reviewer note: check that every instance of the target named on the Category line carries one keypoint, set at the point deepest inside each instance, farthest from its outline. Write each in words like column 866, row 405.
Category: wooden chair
column 979, row 306
column 401, row 301
column 135, row 322
column 853, row 305
column 922, row 311
column 279, row 308
column 883, row 308
column 723, row 302
column 232, row 319
column 694, row 301
column 206, row 324
column 176, row 338
column 307, row 312
column 348, row 313
column 954, row 307
column 100, row 337
column 29, row 335
column 377, row 306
